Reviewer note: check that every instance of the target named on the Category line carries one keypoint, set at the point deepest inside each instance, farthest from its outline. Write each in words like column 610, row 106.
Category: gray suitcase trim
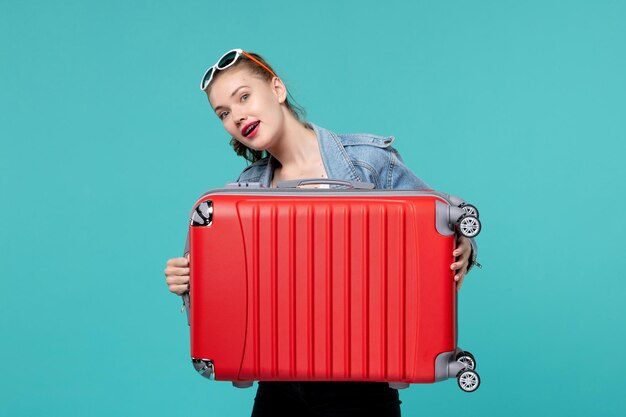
column 447, row 215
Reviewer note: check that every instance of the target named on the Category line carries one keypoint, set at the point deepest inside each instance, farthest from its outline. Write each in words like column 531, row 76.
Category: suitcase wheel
column 468, row 380
column 467, row 359
column 470, row 210
column 469, row 226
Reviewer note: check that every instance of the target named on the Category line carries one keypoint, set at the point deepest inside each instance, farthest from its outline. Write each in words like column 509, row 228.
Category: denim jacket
column 354, row 156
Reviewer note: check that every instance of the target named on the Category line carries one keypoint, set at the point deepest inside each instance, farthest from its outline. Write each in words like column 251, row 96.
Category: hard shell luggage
column 327, row 284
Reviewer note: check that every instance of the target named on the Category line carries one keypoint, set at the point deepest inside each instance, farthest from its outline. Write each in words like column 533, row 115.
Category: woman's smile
column 250, row 130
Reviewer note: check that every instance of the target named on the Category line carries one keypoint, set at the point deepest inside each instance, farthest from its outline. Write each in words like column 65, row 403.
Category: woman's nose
column 238, row 117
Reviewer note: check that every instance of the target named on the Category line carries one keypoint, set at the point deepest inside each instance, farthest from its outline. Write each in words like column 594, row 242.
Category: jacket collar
column 334, row 156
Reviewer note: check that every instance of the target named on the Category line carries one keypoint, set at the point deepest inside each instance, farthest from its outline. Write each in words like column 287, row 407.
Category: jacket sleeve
column 473, row 255
column 401, row 177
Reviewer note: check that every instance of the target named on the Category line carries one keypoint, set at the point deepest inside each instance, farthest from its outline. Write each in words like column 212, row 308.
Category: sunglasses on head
column 228, row 59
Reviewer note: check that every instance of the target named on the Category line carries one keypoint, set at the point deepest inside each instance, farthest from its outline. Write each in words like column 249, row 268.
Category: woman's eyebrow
column 232, row 94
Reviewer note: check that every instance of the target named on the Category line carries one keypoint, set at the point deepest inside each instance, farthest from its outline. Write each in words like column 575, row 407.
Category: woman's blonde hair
column 296, row 110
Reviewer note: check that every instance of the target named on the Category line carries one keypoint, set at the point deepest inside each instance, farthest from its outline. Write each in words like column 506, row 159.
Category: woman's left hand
column 461, row 254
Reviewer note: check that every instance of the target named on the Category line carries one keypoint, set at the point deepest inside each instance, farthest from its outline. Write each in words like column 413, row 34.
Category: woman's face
column 248, row 107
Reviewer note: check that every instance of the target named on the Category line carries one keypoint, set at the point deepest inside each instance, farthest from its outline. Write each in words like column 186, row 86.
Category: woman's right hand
column 177, row 275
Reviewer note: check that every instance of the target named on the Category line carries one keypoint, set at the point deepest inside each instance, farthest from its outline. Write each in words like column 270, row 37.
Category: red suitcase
column 327, row 284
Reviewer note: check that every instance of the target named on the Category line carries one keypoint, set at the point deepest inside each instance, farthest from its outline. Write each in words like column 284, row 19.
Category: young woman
column 268, row 130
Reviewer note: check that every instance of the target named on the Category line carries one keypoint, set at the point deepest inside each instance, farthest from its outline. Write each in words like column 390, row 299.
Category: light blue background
column 106, row 141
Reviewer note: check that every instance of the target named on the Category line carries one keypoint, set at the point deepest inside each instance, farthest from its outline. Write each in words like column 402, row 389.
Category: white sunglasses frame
column 204, row 86
column 239, row 52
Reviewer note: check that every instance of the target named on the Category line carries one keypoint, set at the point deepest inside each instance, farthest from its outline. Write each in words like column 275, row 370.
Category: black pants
column 328, row 399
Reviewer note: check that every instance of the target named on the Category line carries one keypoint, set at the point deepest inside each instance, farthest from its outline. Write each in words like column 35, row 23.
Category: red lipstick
column 250, row 129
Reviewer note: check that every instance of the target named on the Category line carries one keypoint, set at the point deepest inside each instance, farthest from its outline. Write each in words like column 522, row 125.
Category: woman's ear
column 279, row 89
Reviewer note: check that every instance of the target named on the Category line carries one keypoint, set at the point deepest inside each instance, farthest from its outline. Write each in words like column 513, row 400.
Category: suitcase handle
column 310, row 181
column 186, row 300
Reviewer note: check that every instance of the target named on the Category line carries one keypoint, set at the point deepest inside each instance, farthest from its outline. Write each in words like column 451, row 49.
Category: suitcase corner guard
column 202, row 214
column 204, row 367
column 448, row 217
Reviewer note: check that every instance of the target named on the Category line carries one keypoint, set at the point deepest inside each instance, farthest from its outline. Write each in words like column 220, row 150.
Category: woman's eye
column 245, row 96
column 223, row 114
